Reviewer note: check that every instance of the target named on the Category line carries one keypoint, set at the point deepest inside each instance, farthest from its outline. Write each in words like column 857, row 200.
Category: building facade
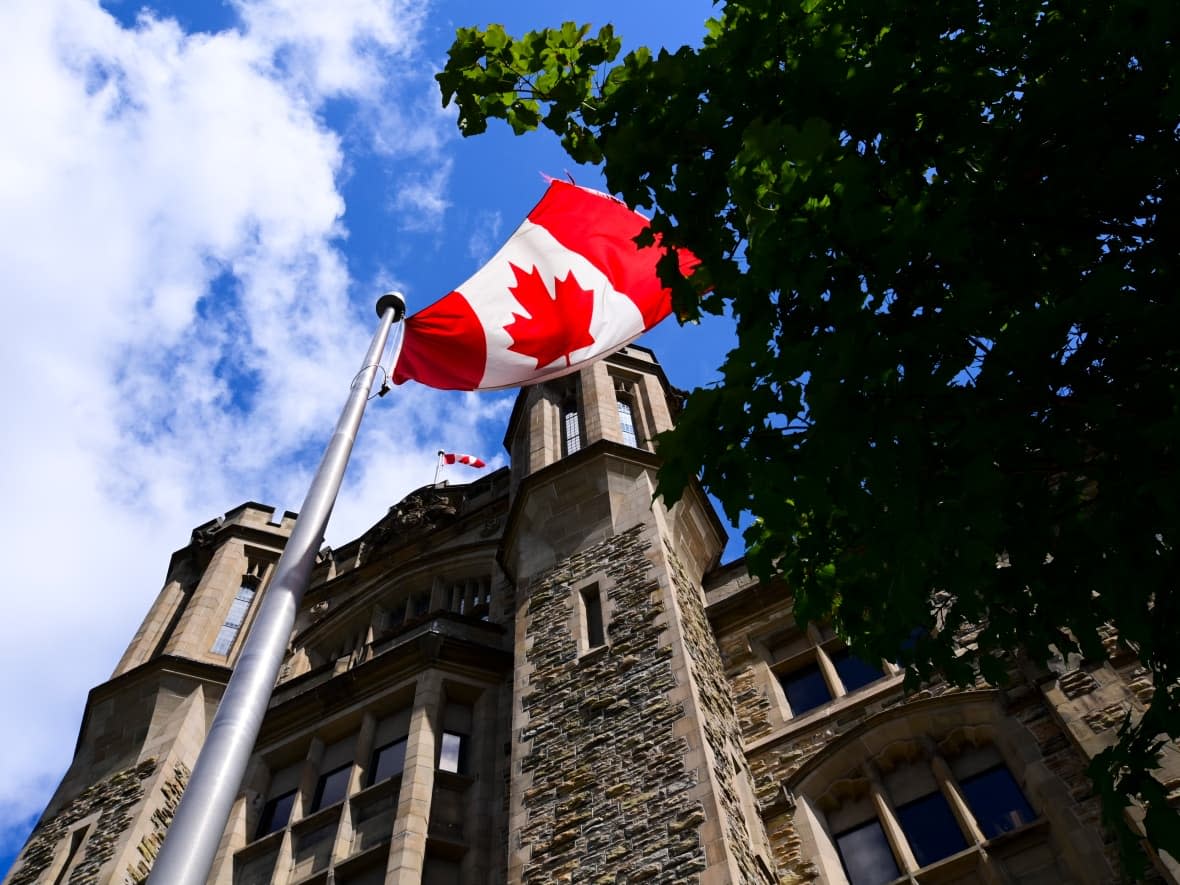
column 546, row 676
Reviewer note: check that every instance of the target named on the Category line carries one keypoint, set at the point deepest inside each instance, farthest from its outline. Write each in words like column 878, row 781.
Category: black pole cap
column 394, row 300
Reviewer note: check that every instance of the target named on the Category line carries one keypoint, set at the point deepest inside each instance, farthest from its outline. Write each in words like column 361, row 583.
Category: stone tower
column 626, row 753
column 143, row 728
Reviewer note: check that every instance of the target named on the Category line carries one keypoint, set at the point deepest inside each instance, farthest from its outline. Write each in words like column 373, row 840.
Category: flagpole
column 437, row 467
column 188, row 852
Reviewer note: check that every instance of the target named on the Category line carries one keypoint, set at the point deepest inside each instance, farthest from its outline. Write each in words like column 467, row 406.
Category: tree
column 947, row 234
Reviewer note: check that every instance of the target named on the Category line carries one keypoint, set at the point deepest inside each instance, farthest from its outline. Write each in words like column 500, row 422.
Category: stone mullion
column 991, row 869
column 954, row 797
column 830, row 674
column 407, row 850
column 887, row 815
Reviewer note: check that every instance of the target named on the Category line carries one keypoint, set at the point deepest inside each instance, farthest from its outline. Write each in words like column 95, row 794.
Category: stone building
column 543, row 676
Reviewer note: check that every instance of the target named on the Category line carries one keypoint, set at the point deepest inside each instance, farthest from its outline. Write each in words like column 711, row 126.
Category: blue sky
column 202, row 202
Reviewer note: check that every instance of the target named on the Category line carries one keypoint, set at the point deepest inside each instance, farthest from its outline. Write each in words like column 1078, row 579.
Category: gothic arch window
column 901, row 821
column 890, row 802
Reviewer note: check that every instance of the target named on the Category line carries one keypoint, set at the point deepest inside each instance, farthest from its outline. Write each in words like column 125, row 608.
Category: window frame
column 229, row 633
column 625, row 409
column 593, row 616
column 812, row 648
column 373, row 779
column 910, row 859
column 462, row 760
column 317, row 798
column 269, row 806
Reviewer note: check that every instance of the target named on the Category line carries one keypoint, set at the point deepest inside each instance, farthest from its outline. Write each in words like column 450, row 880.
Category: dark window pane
column 440, row 871
column 908, row 647
column 854, row 672
column 805, row 688
column 331, row 788
column 453, row 753
column 931, row 828
column 996, row 801
column 592, row 603
column 865, row 853
column 275, row 814
column 76, row 840
column 388, row 761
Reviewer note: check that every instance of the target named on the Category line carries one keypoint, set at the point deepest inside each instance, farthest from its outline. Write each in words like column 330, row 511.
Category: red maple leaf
column 553, row 326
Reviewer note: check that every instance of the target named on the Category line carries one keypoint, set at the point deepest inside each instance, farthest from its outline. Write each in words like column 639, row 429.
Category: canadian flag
column 569, row 286
column 469, row 460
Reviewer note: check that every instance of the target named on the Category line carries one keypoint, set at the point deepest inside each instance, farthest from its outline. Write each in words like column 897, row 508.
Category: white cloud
column 178, row 320
column 486, row 237
column 420, row 203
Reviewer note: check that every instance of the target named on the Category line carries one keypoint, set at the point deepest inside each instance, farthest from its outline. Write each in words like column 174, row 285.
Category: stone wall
column 608, row 793
column 1065, row 719
column 161, row 819
column 722, row 732
column 113, row 800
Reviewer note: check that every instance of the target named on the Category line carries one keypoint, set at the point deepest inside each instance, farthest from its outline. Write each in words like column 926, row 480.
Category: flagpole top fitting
column 394, row 300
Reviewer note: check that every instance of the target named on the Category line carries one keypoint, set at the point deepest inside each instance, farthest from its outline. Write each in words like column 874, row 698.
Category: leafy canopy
column 947, row 234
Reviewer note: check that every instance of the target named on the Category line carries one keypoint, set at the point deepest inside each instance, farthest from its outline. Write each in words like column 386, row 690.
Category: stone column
column 407, row 850
column 888, row 817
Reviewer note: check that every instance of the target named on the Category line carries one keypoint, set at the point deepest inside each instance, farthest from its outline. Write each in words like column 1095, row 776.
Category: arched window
column 893, row 801
column 920, row 814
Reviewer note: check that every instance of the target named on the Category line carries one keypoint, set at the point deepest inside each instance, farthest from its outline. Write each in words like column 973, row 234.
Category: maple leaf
column 553, row 325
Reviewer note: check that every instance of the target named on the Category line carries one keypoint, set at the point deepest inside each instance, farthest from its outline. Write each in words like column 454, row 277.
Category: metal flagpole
column 190, row 847
column 437, row 467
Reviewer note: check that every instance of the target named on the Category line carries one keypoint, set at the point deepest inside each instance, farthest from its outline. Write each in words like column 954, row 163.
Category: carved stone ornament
column 418, row 512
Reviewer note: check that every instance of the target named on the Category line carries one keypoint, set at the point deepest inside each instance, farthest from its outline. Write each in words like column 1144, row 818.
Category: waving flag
column 569, row 286
column 469, row 460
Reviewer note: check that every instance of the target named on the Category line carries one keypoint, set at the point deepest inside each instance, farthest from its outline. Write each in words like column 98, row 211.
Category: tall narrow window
column 454, row 748
column 592, row 607
column 236, row 617
column 626, row 421
column 76, row 839
column 571, row 428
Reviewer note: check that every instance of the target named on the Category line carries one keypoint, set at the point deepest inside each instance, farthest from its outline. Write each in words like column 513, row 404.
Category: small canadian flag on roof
column 456, row 458
column 568, row 287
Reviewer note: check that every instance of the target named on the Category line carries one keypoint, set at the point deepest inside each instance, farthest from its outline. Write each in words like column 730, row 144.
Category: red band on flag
column 443, row 346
